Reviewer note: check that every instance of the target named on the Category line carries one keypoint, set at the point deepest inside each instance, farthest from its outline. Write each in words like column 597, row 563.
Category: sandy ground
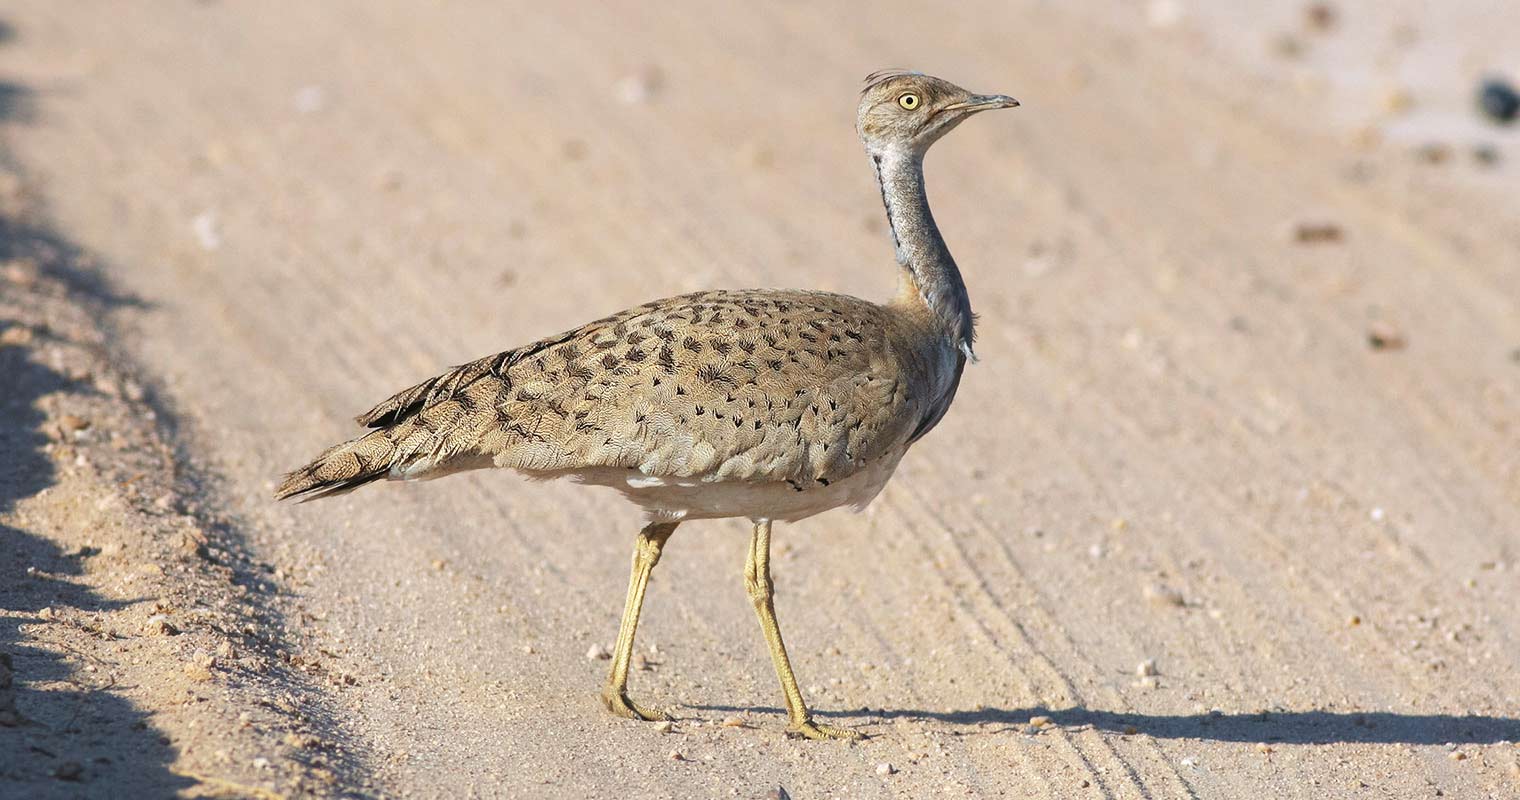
column 139, row 645
column 1180, row 454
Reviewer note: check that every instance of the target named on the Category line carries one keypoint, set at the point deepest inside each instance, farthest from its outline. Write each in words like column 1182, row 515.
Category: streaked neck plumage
column 929, row 271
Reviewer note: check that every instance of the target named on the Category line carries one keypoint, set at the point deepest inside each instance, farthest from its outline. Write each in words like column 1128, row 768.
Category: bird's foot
column 619, row 704
column 808, row 729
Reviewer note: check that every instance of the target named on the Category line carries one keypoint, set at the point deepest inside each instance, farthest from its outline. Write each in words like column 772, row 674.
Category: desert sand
column 1230, row 506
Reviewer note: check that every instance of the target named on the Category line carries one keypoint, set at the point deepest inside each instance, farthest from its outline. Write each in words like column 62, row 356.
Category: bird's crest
column 883, row 75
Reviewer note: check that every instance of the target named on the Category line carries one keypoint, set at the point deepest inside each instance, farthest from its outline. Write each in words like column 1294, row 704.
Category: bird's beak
column 983, row 102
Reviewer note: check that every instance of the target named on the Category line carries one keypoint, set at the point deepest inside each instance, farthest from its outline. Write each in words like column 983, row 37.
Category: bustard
column 773, row 405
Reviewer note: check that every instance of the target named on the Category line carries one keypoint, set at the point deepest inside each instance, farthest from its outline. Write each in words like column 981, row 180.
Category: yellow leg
column 757, row 581
column 646, row 553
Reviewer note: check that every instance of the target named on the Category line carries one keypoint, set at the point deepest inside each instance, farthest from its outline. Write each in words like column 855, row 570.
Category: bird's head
column 905, row 112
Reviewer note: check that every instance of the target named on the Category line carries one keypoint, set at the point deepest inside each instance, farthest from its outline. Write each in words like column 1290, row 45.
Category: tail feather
column 452, row 434
column 341, row 469
column 407, row 402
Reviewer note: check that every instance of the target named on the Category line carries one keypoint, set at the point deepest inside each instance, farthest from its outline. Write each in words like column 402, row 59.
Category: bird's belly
column 672, row 499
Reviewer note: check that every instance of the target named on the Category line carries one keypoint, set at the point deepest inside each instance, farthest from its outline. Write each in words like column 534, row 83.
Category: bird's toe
column 808, row 729
column 619, row 704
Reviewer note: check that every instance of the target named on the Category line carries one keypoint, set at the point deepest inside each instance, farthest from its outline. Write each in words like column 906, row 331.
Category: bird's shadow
column 1283, row 727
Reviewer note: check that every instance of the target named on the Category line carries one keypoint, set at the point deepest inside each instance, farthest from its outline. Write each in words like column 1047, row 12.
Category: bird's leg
column 646, row 553
column 757, row 581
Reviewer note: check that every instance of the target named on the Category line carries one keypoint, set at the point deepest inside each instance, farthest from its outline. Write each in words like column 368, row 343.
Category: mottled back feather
column 722, row 385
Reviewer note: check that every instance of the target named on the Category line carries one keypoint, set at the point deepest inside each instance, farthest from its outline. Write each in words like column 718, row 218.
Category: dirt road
column 1183, row 508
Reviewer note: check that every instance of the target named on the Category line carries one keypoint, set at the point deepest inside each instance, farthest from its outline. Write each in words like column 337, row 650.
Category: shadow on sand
column 1284, row 727
column 54, row 721
column 47, row 701
column 67, row 732
column 61, row 731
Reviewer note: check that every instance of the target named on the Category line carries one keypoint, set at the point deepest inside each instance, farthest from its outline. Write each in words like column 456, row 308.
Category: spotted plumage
column 808, row 387
column 765, row 404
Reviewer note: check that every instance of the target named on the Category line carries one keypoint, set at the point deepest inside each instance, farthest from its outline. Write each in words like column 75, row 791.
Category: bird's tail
column 342, row 469
column 442, row 425
column 455, row 433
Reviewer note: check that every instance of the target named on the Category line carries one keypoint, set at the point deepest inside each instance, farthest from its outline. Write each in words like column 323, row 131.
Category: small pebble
column 639, row 87
column 1164, row 596
column 261, row 763
column 1146, row 668
column 884, row 769
column 759, row 155
column 20, row 272
column 1458, row 755
column 206, row 230
column 1286, row 45
column 1353, row 620
column 1397, row 100
column 310, row 99
column 664, row 726
column 158, row 625
column 1434, row 152
column 1383, row 336
column 300, row 741
column 675, row 755
column 1317, row 232
column 1130, row 730
column 71, row 422
column 735, row 722
column 598, row 652
column 1486, row 155
column 16, row 335
column 200, row 666
column 1320, row 17
column 1498, row 100
column 1377, row 514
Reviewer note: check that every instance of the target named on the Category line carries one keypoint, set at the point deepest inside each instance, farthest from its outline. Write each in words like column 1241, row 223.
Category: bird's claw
column 808, row 729
column 619, row 704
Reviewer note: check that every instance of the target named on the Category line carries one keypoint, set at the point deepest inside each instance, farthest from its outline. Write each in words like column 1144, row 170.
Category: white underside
column 675, row 499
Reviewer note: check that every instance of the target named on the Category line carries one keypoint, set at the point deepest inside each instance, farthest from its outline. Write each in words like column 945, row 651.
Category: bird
column 761, row 404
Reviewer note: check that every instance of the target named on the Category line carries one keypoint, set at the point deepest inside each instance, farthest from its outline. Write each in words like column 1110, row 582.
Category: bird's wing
column 729, row 385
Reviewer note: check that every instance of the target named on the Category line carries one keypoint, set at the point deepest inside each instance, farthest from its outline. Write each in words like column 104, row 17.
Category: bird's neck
column 929, row 275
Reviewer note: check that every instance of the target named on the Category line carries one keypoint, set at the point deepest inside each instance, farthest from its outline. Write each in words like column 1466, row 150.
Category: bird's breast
column 672, row 498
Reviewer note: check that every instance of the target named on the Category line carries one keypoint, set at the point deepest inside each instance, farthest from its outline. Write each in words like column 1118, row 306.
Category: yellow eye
column 908, row 101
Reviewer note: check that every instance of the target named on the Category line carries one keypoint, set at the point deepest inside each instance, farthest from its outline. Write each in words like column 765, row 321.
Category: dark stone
column 1498, row 100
